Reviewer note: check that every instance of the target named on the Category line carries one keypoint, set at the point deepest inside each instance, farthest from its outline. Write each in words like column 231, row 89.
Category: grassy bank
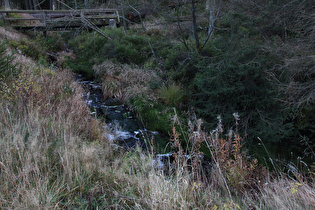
column 53, row 153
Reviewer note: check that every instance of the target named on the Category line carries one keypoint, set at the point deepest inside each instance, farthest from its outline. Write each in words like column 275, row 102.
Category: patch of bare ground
column 10, row 33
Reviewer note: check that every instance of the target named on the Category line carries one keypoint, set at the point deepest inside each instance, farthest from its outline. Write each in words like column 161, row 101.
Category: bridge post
column 44, row 16
column 2, row 18
column 112, row 23
column 118, row 18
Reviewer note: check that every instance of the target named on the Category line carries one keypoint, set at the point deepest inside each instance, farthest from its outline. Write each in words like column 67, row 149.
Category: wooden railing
column 59, row 19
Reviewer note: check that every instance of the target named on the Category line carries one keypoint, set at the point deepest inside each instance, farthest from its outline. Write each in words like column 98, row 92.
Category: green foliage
column 179, row 64
column 235, row 82
column 233, row 71
column 158, row 117
column 6, row 68
column 172, row 55
column 50, row 43
column 172, row 95
column 131, row 49
column 92, row 48
column 154, row 114
column 15, row 15
column 42, row 61
column 28, row 48
column 38, row 47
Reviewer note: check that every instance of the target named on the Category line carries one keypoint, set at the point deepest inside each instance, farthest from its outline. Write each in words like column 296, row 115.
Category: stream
column 126, row 130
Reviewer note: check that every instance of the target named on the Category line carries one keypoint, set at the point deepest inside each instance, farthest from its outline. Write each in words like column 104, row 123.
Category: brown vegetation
column 123, row 81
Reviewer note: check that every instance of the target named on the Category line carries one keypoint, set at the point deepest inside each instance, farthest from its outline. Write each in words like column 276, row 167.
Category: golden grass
column 9, row 33
column 46, row 162
column 284, row 193
column 124, row 81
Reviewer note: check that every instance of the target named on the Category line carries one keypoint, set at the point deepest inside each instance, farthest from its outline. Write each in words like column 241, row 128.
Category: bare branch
column 181, row 31
column 212, row 20
column 194, row 21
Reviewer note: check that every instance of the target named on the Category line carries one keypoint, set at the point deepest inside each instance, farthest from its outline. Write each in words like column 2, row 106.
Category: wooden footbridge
column 53, row 20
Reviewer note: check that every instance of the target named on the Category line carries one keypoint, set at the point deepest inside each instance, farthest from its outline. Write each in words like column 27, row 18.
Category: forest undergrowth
column 54, row 155
column 256, row 71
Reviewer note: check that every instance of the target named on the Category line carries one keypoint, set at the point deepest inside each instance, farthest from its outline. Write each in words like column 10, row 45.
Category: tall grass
column 53, row 155
column 124, row 81
column 44, row 123
column 172, row 95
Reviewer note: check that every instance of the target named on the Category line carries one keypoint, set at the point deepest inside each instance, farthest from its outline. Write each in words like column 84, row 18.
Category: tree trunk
column 53, row 5
column 210, row 6
column 194, row 20
column 86, row 4
column 7, row 5
column 34, row 5
column 27, row 7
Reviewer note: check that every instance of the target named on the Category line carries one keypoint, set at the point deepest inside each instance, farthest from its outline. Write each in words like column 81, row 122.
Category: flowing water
column 126, row 129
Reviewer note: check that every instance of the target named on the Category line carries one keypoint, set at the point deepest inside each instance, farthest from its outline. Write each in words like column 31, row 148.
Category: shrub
column 236, row 81
column 125, row 81
column 94, row 49
column 172, row 95
column 6, row 68
column 29, row 48
column 153, row 114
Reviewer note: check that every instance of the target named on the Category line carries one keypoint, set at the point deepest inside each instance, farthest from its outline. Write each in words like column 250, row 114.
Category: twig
column 93, row 26
column 211, row 25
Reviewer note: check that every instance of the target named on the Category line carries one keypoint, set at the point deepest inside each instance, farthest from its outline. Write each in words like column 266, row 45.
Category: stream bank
column 126, row 130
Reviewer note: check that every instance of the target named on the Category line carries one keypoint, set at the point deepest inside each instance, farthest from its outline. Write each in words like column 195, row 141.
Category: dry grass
column 46, row 163
column 44, row 124
column 53, row 155
column 42, row 162
column 123, row 81
column 240, row 180
column 284, row 193
column 9, row 33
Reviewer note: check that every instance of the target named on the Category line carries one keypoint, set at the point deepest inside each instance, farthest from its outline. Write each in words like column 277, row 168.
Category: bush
column 154, row 115
column 94, row 49
column 6, row 68
column 172, row 95
column 236, row 82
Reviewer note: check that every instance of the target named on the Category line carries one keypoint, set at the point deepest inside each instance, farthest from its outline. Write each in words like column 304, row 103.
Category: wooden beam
column 63, row 19
column 60, row 11
column 13, row 19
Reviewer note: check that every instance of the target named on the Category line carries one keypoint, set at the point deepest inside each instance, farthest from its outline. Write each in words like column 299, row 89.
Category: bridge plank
column 59, row 11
